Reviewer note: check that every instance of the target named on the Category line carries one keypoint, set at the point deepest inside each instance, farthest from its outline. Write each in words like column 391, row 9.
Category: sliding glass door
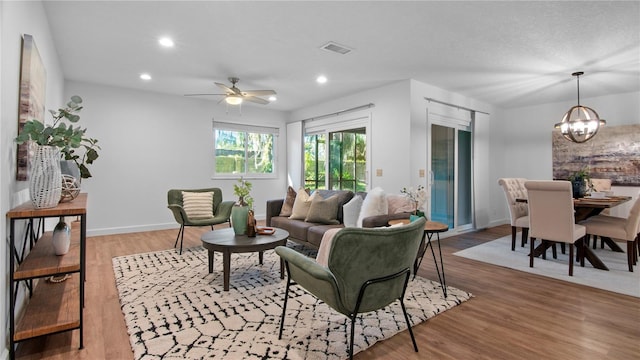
column 451, row 175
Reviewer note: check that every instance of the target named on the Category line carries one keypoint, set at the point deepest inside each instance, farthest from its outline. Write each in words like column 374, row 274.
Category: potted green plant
column 55, row 142
column 240, row 210
column 67, row 138
column 579, row 180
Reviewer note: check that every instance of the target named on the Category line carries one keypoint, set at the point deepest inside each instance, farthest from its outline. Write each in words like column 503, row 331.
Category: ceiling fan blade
column 258, row 92
column 202, row 94
column 227, row 89
column 256, row 100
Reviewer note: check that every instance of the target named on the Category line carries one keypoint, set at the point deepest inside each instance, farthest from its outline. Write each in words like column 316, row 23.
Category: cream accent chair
column 551, row 217
column 626, row 229
column 519, row 212
column 600, row 184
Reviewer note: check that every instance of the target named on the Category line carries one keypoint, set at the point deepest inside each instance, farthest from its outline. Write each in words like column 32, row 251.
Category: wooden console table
column 50, row 306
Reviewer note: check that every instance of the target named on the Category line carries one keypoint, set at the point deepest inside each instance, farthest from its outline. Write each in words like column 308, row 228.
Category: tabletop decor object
column 417, row 197
column 63, row 139
column 61, row 237
column 240, row 210
column 579, row 180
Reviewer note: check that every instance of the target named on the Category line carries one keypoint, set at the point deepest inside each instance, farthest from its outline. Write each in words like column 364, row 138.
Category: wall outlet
column 421, row 173
column 378, row 172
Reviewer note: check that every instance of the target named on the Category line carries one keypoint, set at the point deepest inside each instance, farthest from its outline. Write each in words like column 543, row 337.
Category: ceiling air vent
column 337, row 48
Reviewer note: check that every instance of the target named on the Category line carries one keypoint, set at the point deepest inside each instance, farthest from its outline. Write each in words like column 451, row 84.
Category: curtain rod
column 454, row 105
column 338, row 113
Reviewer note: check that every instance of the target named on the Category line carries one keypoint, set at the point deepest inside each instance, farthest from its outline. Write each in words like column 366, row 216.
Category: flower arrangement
column 418, row 196
column 243, row 191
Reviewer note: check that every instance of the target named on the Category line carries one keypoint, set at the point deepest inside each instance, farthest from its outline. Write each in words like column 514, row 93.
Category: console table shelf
column 49, row 307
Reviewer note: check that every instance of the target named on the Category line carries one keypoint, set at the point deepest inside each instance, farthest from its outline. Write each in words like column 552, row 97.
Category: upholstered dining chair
column 551, row 217
column 518, row 211
column 198, row 207
column 600, row 184
column 625, row 229
column 367, row 269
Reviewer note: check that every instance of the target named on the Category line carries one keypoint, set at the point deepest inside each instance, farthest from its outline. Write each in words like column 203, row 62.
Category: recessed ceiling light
column 145, row 76
column 321, row 79
column 166, row 42
column 272, row 98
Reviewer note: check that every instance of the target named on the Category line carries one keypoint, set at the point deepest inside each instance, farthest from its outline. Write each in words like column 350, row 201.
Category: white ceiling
column 510, row 54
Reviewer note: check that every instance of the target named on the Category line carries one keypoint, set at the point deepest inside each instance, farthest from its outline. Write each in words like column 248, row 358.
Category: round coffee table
column 227, row 242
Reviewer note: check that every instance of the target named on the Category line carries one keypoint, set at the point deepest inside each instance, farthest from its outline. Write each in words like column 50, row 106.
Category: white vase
column 45, row 182
column 61, row 238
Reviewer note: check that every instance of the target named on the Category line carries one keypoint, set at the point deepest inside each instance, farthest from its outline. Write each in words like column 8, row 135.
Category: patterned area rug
column 175, row 309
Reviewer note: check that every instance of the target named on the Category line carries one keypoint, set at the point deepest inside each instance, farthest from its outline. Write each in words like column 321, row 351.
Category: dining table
column 584, row 208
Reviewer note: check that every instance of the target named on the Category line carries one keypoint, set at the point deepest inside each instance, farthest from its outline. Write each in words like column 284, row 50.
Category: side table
column 430, row 228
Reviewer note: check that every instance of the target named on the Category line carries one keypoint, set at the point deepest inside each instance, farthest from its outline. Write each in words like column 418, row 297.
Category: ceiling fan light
column 233, row 100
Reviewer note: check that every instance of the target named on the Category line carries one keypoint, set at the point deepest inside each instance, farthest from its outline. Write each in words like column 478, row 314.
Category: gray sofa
column 310, row 234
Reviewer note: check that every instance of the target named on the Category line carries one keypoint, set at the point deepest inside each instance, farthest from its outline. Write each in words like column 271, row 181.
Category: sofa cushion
column 198, row 205
column 315, row 233
column 296, row 228
column 374, row 204
column 323, row 211
column 399, row 203
column 287, row 206
column 351, row 211
column 343, row 195
column 301, row 205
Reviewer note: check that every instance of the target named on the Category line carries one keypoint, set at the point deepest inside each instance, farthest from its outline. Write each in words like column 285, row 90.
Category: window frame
column 246, row 129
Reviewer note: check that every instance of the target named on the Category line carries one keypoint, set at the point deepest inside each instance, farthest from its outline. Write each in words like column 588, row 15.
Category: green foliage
column 580, row 175
column 65, row 137
column 243, row 191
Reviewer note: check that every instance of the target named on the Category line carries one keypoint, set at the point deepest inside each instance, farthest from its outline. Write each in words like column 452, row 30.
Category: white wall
column 154, row 142
column 390, row 131
column 17, row 18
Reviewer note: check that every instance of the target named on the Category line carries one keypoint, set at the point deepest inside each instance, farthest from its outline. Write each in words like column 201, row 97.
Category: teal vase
column 239, row 216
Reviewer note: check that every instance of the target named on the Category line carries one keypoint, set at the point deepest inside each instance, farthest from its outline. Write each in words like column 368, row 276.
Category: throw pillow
column 198, row 205
column 400, row 203
column 374, row 204
column 324, row 211
column 301, row 205
column 287, row 205
column 322, row 257
column 351, row 211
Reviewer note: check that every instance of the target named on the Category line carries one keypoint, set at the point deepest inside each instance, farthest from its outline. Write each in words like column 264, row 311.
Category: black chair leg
column 406, row 318
column 284, row 306
column 181, row 237
column 513, row 238
column 353, row 326
column 525, row 235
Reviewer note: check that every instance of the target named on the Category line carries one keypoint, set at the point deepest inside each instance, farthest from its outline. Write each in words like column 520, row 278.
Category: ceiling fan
column 234, row 96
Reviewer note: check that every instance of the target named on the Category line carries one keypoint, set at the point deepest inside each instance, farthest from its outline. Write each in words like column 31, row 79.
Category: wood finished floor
column 514, row 315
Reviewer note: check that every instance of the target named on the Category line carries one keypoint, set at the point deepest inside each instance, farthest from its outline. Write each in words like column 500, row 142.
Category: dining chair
column 625, row 229
column 518, row 211
column 551, row 217
column 600, row 184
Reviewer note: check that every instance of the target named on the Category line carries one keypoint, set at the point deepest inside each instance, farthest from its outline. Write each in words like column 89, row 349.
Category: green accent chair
column 368, row 269
column 221, row 211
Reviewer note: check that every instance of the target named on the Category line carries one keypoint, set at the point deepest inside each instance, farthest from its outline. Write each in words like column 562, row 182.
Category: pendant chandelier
column 580, row 123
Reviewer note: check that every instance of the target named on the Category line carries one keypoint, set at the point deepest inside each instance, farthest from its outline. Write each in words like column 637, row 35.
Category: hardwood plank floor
column 513, row 315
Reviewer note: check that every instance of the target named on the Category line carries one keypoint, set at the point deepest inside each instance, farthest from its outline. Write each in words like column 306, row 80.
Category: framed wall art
column 33, row 78
column 614, row 153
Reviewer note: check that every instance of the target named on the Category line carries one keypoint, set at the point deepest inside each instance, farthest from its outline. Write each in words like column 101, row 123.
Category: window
column 346, row 160
column 243, row 150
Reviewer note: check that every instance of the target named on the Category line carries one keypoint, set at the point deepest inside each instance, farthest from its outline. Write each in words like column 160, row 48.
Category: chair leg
column 286, row 297
column 181, row 237
column 406, row 318
column 532, row 240
column 513, row 238
column 570, row 259
column 630, row 254
column 525, row 235
column 353, row 326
